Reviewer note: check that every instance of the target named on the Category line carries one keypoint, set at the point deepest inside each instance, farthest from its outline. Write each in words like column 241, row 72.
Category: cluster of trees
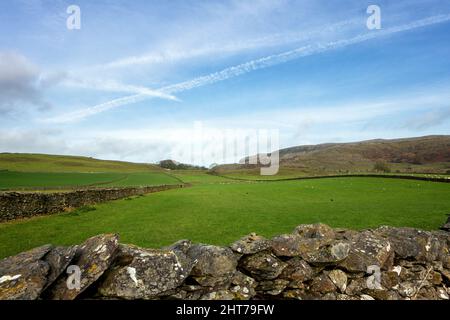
column 382, row 166
column 173, row 165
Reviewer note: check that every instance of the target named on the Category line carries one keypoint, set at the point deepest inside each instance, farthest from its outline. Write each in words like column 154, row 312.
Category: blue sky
column 138, row 75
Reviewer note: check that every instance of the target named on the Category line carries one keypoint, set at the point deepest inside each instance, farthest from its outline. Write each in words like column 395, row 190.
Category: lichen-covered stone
column 212, row 260
column 444, row 247
column 218, row 295
column 315, row 231
column 442, row 294
column 289, row 245
column 242, row 286
column 297, row 270
column 304, row 241
column 322, row 284
column 383, row 294
column 250, row 244
column 329, row 254
column 367, row 249
column 339, row 279
column 150, row 273
column 391, row 278
column 272, row 287
column 344, row 297
column 264, row 266
column 407, row 289
column 318, row 251
column 24, row 276
column 411, row 243
column 24, row 258
column 356, row 286
column 213, row 265
column 93, row 258
column 59, row 259
column 294, row 294
column 182, row 246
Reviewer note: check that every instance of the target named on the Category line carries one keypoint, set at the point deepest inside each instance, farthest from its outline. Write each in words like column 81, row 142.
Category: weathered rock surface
column 272, row 287
column 367, row 249
column 329, row 254
column 251, row 244
column 339, row 279
column 242, row 286
column 322, row 285
column 263, row 266
column 58, row 259
column 148, row 274
column 212, row 260
column 297, row 270
column 93, row 258
column 24, row 276
column 411, row 243
column 313, row 262
column 291, row 245
column 315, row 231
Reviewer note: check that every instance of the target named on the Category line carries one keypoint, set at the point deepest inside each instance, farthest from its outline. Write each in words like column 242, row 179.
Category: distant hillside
column 55, row 163
column 430, row 154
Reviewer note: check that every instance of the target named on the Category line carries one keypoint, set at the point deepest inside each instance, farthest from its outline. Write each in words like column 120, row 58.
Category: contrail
column 250, row 66
column 212, row 49
column 295, row 54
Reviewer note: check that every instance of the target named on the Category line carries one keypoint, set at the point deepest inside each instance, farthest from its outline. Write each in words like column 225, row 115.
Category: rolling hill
column 56, row 163
column 430, row 154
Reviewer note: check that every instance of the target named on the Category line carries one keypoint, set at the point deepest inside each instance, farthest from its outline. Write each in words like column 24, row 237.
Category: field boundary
column 17, row 205
column 431, row 179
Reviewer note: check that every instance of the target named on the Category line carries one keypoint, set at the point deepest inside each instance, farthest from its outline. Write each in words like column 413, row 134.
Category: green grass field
column 38, row 171
column 218, row 211
column 66, row 180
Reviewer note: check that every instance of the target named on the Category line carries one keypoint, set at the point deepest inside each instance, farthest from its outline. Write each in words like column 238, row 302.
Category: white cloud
column 428, row 119
column 302, row 124
column 19, row 83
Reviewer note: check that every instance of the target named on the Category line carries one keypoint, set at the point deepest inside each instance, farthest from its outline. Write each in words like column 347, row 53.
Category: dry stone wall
column 313, row 262
column 15, row 205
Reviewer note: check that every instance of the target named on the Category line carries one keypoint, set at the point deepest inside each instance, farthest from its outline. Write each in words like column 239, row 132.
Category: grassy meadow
column 36, row 171
column 218, row 211
column 11, row 180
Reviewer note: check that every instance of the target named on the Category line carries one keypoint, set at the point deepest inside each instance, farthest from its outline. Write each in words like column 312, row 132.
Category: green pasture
column 11, row 180
column 218, row 211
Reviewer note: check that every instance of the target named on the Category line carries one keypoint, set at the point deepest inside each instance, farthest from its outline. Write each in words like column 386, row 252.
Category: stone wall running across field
column 312, row 262
column 15, row 205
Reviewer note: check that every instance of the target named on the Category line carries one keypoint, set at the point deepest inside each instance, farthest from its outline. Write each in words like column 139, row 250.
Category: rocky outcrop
column 313, row 262
column 16, row 205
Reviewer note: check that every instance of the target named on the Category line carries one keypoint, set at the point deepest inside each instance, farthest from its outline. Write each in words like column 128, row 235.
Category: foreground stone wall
column 312, row 262
column 15, row 205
